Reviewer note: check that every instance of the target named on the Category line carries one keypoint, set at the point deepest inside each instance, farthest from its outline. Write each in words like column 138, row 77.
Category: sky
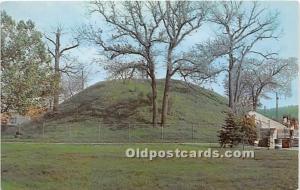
column 71, row 15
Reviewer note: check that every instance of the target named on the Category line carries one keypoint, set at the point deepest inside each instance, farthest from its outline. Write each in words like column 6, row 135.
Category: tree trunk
column 255, row 102
column 56, row 72
column 56, row 85
column 237, row 84
column 50, row 104
column 165, row 102
column 254, row 105
column 154, row 104
column 230, row 103
column 230, row 69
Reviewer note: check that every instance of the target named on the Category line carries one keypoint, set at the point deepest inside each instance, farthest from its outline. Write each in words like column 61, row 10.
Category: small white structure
column 269, row 128
column 17, row 119
column 265, row 122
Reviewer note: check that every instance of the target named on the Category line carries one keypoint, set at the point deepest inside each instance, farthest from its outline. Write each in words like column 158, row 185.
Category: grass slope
column 287, row 110
column 130, row 102
column 103, row 112
column 72, row 167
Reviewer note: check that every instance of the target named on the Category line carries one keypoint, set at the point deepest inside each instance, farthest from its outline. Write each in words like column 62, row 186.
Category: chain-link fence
column 94, row 132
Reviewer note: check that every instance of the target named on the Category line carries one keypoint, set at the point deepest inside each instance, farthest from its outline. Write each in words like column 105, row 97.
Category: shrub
column 229, row 133
column 248, row 129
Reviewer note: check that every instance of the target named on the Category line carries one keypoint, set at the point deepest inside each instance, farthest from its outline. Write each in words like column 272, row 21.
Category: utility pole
column 277, row 99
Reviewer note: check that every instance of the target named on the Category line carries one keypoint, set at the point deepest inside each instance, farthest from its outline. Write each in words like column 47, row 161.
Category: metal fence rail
column 114, row 133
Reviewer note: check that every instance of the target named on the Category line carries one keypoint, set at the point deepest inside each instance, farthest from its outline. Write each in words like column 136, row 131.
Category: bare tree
column 261, row 77
column 199, row 63
column 135, row 31
column 126, row 70
column 57, row 53
column 242, row 27
column 180, row 18
column 75, row 82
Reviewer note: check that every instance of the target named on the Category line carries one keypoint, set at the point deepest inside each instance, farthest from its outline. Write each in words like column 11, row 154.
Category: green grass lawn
column 53, row 166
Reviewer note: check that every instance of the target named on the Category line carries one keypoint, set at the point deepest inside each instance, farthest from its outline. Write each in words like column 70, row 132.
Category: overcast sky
column 47, row 15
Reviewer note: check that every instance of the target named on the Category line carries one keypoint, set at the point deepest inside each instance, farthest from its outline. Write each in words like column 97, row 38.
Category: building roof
column 266, row 122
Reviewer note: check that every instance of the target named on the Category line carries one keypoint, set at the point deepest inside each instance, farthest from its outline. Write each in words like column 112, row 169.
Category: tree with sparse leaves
column 135, row 31
column 242, row 28
column 260, row 77
column 73, row 83
column 179, row 20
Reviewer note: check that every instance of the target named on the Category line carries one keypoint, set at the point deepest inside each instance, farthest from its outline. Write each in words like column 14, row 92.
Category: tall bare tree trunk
column 230, row 103
column 237, row 84
column 254, row 104
column 165, row 102
column 230, row 80
column 56, row 71
column 58, row 52
column 56, row 86
column 154, row 102
column 151, row 74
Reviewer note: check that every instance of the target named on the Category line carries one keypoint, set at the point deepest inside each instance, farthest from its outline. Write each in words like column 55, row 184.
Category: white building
column 268, row 128
column 17, row 119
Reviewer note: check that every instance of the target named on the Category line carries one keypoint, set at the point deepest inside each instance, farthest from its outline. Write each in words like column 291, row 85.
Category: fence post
column 43, row 129
column 99, row 128
column 70, row 134
column 162, row 132
column 197, row 136
column 65, row 133
column 192, row 133
column 128, row 132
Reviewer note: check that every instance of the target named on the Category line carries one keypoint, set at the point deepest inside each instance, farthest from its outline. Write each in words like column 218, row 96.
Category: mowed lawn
column 71, row 167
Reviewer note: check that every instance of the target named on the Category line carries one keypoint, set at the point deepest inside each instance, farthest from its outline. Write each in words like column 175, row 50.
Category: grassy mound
column 130, row 102
column 118, row 111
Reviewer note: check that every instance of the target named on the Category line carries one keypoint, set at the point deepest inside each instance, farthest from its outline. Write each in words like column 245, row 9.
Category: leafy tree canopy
column 25, row 66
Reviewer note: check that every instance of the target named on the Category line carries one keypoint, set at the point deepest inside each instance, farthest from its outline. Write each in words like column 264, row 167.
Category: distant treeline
column 292, row 111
